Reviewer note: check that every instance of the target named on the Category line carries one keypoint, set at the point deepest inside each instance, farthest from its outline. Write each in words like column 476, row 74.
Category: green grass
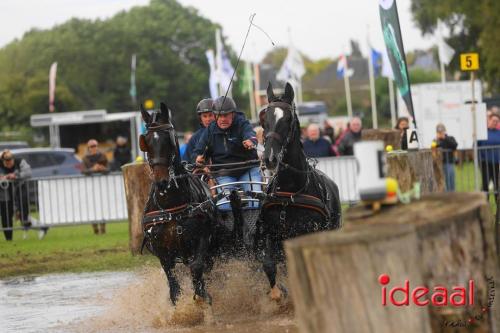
column 69, row 249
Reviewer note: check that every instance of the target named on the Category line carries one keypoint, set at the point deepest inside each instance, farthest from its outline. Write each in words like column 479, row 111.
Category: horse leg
column 197, row 268
column 269, row 266
column 168, row 264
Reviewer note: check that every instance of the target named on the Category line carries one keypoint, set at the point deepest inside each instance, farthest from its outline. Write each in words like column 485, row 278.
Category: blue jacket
column 226, row 146
column 319, row 148
column 189, row 154
column 491, row 154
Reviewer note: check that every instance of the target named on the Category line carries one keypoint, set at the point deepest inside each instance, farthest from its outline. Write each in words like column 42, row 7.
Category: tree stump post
column 441, row 240
column 137, row 186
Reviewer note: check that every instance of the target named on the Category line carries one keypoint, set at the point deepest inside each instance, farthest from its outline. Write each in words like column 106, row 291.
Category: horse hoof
column 275, row 293
column 200, row 300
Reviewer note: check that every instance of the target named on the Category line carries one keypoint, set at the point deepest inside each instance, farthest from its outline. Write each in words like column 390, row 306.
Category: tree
column 474, row 28
column 94, row 63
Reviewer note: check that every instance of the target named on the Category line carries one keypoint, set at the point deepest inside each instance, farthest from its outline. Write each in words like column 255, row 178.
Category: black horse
column 179, row 214
column 299, row 199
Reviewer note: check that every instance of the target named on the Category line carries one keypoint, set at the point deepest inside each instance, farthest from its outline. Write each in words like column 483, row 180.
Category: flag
column 224, row 69
column 293, row 67
column 376, row 61
column 133, row 91
column 342, row 68
column 391, row 31
column 445, row 51
column 52, row 86
column 212, row 79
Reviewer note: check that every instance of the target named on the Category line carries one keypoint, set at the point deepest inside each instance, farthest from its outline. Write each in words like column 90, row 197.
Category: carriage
column 186, row 220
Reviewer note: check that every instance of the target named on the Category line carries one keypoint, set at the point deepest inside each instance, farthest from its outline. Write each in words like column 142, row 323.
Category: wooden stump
column 443, row 239
column 137, row 186
column 420, row 166
column 389, row 136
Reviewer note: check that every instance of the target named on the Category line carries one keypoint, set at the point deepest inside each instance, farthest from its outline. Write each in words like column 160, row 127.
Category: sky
column 318, row 28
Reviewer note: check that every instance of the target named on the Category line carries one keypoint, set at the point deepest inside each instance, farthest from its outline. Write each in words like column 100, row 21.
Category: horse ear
column 270, row 93
column 145, row 115
column 289, row 94
column 164, row 111
column 142, row 143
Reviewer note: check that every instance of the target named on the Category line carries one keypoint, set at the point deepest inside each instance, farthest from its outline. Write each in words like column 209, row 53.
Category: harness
column 272, row 197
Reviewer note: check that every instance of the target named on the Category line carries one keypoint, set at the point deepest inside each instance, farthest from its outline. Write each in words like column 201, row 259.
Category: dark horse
column 179, row 214
column 299, row 199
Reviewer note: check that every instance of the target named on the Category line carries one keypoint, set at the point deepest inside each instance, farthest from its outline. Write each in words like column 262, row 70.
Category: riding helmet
column 223, row 105
column 205, row 105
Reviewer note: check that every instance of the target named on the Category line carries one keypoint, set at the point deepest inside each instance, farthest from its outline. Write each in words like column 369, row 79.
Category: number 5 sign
column 469, row 61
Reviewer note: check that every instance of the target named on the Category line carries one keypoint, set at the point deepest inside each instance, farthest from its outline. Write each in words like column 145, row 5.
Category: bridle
column 278, row 137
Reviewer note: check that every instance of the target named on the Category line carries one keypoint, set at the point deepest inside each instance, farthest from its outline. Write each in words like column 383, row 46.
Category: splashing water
column 240, row 304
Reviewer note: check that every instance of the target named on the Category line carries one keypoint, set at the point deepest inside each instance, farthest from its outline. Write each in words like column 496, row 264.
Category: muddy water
column 138, row 302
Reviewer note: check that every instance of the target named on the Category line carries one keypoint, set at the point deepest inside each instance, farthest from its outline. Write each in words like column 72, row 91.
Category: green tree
column 474, row 28
column 94, row 63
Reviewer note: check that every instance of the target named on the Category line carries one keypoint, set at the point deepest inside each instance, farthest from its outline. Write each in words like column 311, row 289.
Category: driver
column 229, row 139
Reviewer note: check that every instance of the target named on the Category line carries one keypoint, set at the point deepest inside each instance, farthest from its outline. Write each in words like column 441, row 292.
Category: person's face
column 313, row 133
column 92, row 148
column 8, row 163
column 224, row 121
column 403, row 124
column 441, row 135
column 207, row 118
column 493, row 122
column 355, row 125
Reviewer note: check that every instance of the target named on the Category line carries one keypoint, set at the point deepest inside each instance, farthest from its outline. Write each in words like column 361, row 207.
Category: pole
column 372, row 93
column 474, row 134
column 347, row 90
column 392, row 102
column 443, row 75
column 256, row 72
column 251, row 94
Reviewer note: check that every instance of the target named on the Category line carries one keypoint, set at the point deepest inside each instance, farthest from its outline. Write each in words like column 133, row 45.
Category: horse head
column 280, row 124
column 159, row 143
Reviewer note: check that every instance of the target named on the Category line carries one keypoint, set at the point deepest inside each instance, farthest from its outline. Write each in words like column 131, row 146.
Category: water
column 138, row 302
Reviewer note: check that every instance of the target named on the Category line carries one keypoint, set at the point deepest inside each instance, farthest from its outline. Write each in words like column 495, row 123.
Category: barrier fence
column 57, row 201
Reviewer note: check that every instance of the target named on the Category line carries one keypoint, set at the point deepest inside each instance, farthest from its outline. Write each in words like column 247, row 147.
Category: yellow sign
column 149, row 104
column 469, row 61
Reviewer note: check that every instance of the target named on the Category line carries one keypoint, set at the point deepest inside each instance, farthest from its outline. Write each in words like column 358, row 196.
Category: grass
column 69, row 249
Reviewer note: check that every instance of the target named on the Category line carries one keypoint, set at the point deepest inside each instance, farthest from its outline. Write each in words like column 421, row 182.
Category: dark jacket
column 226, row 146
column 22, row 170
column 448, row 146
column 490, row 154
column 347, row 143
column 89, row 161
column 189, row 154
column 121, row 156
column 318, row 148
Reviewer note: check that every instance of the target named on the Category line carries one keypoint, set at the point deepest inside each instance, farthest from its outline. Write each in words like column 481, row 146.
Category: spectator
column 448, row 144
column 315, row 145
column 95, row 162
column 13, row 172
column 402, row 124
column 328, row 131
column 121, row 154
column 182, row 149
column 353, row 135
column 489, row 156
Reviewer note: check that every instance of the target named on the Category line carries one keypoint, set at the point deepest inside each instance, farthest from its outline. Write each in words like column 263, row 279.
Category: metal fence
column 70, row 200
column 56, row 201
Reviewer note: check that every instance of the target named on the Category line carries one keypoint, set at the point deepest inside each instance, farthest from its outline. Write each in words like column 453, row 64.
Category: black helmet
column 205, row 105
column 228, row 107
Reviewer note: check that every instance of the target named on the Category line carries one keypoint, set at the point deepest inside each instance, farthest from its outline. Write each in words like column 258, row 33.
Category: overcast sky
column 318, row 28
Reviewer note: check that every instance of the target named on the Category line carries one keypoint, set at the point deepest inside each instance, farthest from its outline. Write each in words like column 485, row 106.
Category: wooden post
column 137, row 186
column 441, row 240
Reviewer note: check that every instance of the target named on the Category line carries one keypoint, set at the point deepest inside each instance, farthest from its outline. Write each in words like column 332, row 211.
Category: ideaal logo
column 439, row 296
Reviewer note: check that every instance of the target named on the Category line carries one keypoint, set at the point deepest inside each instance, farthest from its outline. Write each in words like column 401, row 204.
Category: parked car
column 13, row 145
column 47, row 162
